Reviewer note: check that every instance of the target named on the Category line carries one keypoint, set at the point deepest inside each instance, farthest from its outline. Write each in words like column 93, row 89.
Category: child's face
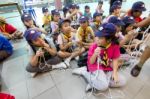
column 72, row 9
column 98, row 18
column 66, row 28
column 46, row 13
column 100, row 5
column 56, row 18
column 38, row 42
column 137, row 13
column 29, row 23
column 87, row 10
column 84, row 24
column 101, row 41
column 118, row 28
column 117, row 11
column 129, row 28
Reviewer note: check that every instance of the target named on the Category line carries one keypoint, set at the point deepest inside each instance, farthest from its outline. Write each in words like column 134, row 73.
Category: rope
column 45, row 63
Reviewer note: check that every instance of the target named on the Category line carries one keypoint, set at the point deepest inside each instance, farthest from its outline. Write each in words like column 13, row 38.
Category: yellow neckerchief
column 3, row 28
column 108, row 45
column 104, row 56
column 48, row 17
column 67, row 36
column 97, row 24
column 84, row 33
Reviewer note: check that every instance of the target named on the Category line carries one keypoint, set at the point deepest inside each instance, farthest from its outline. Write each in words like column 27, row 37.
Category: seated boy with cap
column 44, row 55
column 114, row 11
column 97, row 20
column 46, row 19
column 85, row 34
column 136, row 11
column 9, row 31
column 67, row 42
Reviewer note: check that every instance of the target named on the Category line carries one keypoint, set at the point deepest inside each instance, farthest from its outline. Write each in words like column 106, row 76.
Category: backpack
column 83, row 60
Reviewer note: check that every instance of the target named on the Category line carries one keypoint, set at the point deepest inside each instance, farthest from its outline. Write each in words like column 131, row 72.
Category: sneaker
column 60, row 65
column 34, row 74
column 77, row 58
column 67, row 61
column 88, row 88
column 79, row 71
column 135, row 71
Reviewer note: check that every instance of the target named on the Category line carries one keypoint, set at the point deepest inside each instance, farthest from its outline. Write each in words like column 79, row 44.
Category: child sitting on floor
column 103, row 58
column 67, row 42
column 46, row 19
column 85, row 34
column 9, row 31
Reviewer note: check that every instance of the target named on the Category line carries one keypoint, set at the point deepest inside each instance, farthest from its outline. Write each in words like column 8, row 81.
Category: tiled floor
column 61, row 84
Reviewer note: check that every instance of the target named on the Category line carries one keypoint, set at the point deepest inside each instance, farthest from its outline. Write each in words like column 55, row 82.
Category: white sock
column 67, row 61
column 60, row 65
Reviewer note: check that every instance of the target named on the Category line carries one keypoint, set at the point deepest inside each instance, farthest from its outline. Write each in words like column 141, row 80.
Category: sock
column 140, row 65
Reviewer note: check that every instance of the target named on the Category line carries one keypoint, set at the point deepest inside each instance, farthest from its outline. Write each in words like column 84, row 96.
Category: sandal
column 135, row 71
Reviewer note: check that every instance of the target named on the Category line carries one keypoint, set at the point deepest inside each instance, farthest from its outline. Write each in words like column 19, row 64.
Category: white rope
column 135, row 49
column 45, row 63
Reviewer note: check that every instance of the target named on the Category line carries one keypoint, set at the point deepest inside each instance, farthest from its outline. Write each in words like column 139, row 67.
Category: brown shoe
column 135, row 71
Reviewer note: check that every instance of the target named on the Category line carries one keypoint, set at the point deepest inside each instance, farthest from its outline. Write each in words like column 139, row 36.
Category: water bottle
column 74, row 42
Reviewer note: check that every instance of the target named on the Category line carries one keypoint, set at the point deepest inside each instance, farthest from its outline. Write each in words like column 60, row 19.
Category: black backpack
column 83, row 60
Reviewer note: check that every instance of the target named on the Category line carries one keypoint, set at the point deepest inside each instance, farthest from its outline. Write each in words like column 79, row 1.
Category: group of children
column 105, row 40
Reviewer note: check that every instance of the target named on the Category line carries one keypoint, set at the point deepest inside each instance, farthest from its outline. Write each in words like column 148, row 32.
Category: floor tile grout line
column 26, row 78
column 62, row 82
column 142, row 87
column 43, row 92
column 56, row 86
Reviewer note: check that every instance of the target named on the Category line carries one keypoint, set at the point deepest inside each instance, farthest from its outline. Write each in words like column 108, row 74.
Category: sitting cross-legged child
column 67, row 42
column 9, row 31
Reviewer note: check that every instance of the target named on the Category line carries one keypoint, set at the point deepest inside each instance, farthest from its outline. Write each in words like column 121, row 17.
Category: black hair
column 65, row 10
column 66, row 21
column 34, row 23
column 123, row 30
column 52, row 17
column 113, row 39
column 87, row 7
column 132, row 11
column 100, row 2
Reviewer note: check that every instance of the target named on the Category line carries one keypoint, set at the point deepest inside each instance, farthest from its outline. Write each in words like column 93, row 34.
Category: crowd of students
column 104, row 40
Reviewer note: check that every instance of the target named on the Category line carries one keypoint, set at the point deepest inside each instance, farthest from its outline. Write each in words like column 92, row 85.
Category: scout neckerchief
column 67, row 36
column 104, row 57
column 3, row 28
column 84, row 34
column 97, row 24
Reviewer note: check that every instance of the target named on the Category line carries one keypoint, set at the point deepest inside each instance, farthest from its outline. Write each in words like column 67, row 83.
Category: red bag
column 6, row 96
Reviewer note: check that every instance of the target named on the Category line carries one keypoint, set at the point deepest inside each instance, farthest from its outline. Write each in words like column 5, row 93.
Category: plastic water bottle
column 74, row 42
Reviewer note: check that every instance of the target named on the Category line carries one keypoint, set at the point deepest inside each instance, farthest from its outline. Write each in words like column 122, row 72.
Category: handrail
column 12, row 3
